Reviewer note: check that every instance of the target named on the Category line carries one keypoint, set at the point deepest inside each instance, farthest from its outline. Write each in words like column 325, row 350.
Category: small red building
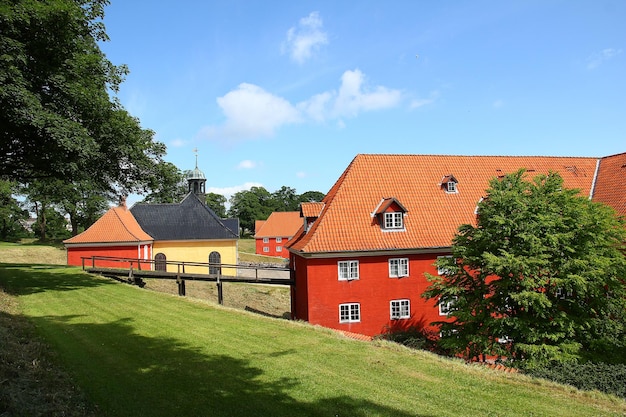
column 272, row 234
column 115, row 234
column 360, row 257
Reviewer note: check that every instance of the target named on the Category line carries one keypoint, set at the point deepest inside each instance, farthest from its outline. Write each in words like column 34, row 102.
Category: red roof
column 432, row 214
column 609, row 187
column 117, row 225
column 280, row 224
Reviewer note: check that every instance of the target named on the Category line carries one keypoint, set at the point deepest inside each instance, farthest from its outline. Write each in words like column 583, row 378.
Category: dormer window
column 390, row 214
column 394, row 220
column 449, row 184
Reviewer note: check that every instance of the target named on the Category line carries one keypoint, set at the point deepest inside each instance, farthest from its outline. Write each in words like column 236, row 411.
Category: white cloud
column 178, row 143
column 251, row 112
column 305, row 39
column 597, row 59
column 420, row 102
column 247, row 164
column 353, row 97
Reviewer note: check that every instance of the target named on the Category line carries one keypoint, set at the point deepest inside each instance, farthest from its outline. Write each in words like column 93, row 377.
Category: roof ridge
column 484, row 156
column 124, row 223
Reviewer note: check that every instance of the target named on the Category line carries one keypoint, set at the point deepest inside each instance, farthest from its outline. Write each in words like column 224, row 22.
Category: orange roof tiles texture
column 311, row 209
column 116, row 225
column 280, row 224
column 610, row 183
column 433, row 215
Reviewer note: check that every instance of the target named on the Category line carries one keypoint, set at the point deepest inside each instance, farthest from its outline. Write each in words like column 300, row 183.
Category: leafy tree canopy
column 539, row 278
column 57, row 119
column 258, row 203
column 12, row 214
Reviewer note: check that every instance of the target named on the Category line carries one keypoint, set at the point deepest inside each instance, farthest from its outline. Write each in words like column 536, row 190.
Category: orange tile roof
column 280, row 224
column 609, row 187
column 257, row 225
column 311, row 209
column 433, row 216
column 117, row 225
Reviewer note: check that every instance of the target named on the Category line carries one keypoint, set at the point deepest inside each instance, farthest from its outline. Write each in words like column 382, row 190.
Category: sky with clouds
column 287, row 93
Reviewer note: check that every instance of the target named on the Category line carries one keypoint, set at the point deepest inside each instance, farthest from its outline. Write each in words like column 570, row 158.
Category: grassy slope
column 141, row 353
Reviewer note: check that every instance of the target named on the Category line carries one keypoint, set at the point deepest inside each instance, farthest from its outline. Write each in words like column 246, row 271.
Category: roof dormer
column 390, row 214
column 310, row 211
column 450, row 184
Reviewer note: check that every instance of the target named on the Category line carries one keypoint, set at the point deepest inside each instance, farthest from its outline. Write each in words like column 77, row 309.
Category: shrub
column 608, row 378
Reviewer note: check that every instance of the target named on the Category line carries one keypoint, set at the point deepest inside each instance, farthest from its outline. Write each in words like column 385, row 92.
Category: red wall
column 74, row 256
column 318, row 293
column 272, row 247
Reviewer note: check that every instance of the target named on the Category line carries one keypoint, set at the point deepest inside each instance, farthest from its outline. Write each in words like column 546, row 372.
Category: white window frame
column 398, row 267
column 350, row 313
column 279, row 240
column 446, row 308
column 347, row 270
column 266, row 240
column 279, row 248
column 451, row 187
column 441, row 271
column 394, row 220
column 266, row 249
column 400, row 309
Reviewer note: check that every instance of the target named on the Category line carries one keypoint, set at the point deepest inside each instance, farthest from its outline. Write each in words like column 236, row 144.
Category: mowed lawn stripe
column 141, row 353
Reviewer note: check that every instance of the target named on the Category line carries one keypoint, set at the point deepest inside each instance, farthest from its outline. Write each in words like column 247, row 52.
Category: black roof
column 188, row 220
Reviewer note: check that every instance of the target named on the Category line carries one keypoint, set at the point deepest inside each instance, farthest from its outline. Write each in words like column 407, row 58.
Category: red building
column 272, row 234
column 360, row 257
column 115, row 234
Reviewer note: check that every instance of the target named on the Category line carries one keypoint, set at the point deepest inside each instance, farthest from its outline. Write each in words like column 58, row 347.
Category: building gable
column 190, row 219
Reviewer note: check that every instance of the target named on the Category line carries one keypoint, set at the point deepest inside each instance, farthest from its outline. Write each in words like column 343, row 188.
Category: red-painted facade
column 318, row 293
column 272, row 246
column 135, row 252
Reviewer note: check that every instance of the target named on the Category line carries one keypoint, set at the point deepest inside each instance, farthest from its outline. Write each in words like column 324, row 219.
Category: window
column 215, row 260
column 400, row 309
column 266, row 249
column 279, row 239
column 160, row 262
column 398, row 267
column 279, row 248
column 393, row 220
column 451, row 187
column 349, row 313
column 348, row 270
column 266, row 240
column 442, row 270
column 447, row 306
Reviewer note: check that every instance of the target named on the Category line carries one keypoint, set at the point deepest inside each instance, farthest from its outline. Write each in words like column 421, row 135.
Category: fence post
column 220, row 293
column 181, row 285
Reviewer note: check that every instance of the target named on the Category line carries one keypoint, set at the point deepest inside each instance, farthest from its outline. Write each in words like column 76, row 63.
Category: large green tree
column 12, row 214
column 249, row 206
column 541, row 277
column 57, row 117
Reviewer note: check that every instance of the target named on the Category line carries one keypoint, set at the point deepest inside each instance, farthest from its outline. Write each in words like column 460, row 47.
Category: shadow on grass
column 24, row 279
column 127, row 374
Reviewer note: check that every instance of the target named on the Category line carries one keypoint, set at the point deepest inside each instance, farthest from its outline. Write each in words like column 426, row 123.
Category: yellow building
column 190, row 232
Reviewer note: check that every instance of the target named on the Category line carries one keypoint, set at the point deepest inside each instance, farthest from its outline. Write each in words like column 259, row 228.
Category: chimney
column 123, row 202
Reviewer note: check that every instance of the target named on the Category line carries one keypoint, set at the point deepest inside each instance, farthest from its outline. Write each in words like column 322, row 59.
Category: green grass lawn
column 142, row 353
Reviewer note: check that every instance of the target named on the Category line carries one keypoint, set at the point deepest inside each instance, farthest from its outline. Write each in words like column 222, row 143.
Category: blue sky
column 275, row 93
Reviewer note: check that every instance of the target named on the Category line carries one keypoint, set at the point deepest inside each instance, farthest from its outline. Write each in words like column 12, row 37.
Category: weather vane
column 195, row 150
